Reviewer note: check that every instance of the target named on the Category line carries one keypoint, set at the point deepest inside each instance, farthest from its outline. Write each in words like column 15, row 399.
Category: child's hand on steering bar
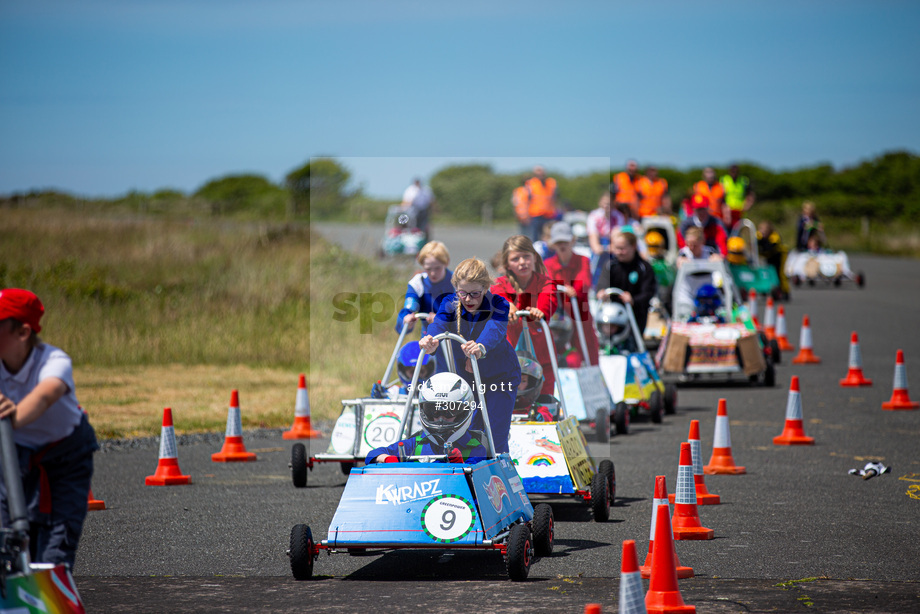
column 429, row 344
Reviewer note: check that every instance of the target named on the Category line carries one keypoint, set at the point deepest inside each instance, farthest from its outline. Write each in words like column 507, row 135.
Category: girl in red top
column 574, row 272
column 526, row 286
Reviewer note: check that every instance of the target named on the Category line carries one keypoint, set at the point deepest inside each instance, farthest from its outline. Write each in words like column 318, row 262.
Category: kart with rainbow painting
column 26, row 586
column 423, row 502
column 365, row 423
column 546, row 442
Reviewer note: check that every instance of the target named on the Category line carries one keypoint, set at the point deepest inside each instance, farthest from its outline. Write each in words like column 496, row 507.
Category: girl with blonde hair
column 481, row 318
column 525, row 285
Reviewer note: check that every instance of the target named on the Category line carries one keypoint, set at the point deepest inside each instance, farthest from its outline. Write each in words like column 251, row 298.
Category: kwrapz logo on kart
column 496, row 489
column 398, row 495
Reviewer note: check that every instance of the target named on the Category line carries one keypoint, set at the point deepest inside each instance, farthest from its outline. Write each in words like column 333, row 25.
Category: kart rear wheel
column 860, row 279
column 670, row 399
column 774, row 349
column 519, row 553
column 769, row 375
column 299, row 465
column 600, row 498
column 621, row 418
column 301, row 552
column 606, row 467
column 602, row 425
column 656, row 407
column 543, row 529
column 346, row 467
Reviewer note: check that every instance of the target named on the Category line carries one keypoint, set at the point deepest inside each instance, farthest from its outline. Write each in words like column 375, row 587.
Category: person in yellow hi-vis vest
column 739, row 197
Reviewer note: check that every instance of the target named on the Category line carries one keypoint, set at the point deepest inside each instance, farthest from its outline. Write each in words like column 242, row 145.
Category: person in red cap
column 713, row 231
column 54, row 440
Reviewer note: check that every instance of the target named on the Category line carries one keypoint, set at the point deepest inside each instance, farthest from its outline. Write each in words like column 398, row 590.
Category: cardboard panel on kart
column 633, row 381
column 552, row 458
column 736, row 347
column 364, row 424
column 424, row 503
column 753, row 274
column 27, row 586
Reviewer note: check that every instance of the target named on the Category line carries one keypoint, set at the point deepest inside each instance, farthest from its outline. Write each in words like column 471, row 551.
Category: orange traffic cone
column 769, row 319
column 703, row 496
column 899, row 397
column 233, row 449
column 855, row 375
column 167, row 473
column 686, row 523
column 661, row 498
column 781, row 339
column 722, row 462
column 805, row 355
column 632, row 599
column 663, row 594
column 301, row 429
column 93, row 504
column 752, row 306
column 793, row 433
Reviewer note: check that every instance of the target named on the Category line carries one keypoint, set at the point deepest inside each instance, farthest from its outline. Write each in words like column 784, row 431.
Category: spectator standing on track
column 630, row 273
column 418, row 199
column 520, row 199
column 808, row 223
column 542, row 199
column 54, row 440
column 739, row 197
column 526, row 285
column 626, row 193
column 710, row 187
column 573, row 271
column 713, row 232
column 653, row 194
column 480, row 317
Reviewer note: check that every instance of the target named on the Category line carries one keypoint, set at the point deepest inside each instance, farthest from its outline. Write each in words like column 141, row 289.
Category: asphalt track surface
column 796, row 533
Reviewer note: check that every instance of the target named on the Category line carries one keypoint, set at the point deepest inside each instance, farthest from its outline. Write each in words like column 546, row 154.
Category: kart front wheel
column 860, row 279
column 301, row 552
column 602, row 425
column 520, row 552
column 621, row 418
column 655, row 405
column 769, row 375
column 299, row 465
column 606, row 467
column 600, row 498
column 670, row 398
column 543, row 529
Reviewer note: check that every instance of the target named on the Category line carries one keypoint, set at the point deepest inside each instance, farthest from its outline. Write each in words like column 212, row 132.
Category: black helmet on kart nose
column 531, row 383
column 408, row 359
column 613, row 323
column 561, row 330
column 446, row 406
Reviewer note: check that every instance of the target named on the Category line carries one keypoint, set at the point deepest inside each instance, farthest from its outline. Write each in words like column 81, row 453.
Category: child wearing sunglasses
column 481, row 318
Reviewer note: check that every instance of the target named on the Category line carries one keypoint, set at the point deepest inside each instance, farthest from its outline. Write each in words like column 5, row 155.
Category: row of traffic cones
column 233, row 450
column 775, row 328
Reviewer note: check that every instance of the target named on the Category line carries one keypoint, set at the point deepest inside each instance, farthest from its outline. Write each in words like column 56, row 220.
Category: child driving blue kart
column 446, row 409
column 708, row 303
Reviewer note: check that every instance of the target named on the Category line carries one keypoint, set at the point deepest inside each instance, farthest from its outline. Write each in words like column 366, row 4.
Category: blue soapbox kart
column 425, row 503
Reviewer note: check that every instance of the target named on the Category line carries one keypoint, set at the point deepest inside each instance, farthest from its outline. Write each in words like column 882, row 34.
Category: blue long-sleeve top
column 488, row 326
column 470, row 446
column 423, row 296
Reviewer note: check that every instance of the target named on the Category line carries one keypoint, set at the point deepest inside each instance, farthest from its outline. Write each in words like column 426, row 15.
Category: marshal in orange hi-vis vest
column 541, row 196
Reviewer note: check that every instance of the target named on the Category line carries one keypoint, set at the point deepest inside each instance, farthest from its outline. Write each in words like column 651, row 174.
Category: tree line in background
column 883, row 190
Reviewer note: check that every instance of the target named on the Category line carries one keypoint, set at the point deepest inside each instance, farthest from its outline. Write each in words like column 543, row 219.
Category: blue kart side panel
column 500, row 493
column 428, row 504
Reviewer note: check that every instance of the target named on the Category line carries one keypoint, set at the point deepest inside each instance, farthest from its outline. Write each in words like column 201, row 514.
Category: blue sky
column 102, row 97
